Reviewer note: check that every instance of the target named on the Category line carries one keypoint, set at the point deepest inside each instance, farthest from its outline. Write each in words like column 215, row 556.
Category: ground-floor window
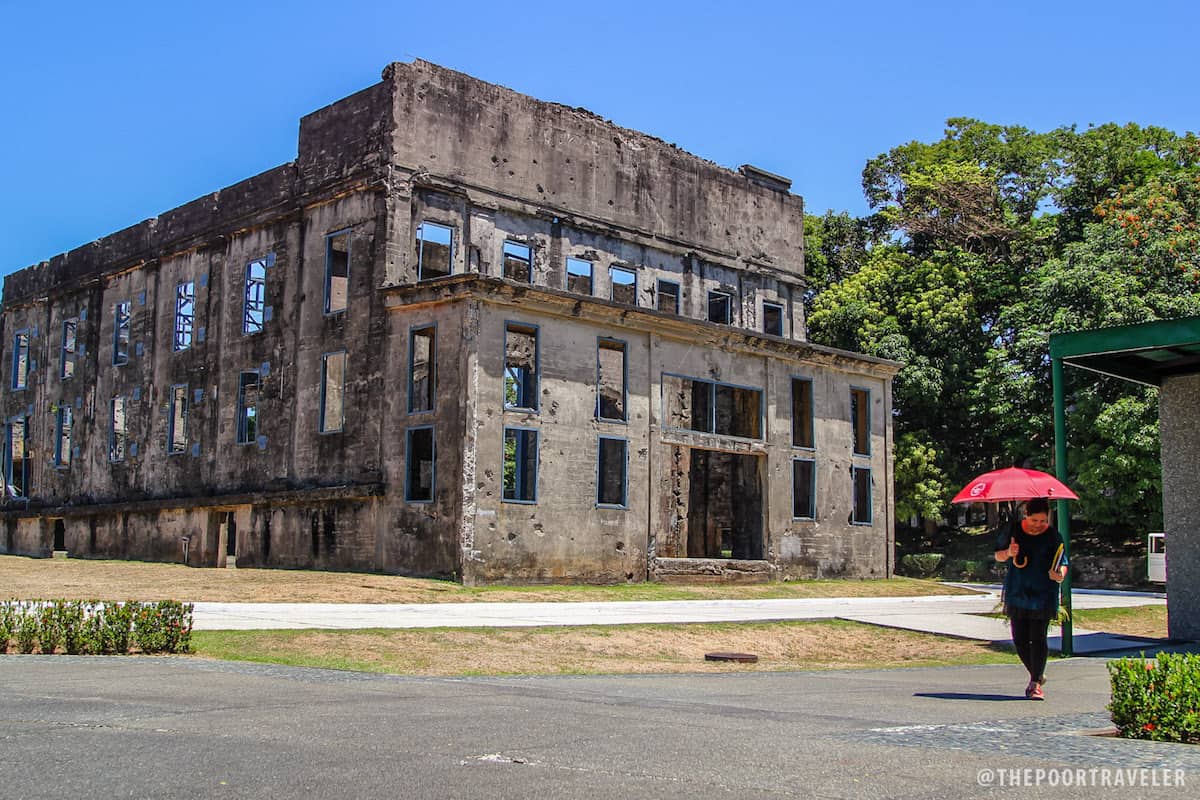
column 804, row 484
column 862, row 496
column 520, row 465
column 419, row 480
column 612, row 472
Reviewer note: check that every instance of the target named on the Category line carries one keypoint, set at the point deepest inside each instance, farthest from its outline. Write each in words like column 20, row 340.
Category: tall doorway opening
column 725, row 508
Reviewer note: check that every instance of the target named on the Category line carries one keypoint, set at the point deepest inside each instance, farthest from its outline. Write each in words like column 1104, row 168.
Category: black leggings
column 1029, row 637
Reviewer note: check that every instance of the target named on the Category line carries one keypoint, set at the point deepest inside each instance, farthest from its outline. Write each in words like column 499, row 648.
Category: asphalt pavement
column 169, row 728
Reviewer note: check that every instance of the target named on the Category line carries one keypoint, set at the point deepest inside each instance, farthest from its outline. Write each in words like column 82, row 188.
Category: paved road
column 955, row 615
column 186, row 728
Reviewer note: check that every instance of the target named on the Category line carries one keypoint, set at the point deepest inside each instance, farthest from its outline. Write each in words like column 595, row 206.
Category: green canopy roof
column 1146, row 353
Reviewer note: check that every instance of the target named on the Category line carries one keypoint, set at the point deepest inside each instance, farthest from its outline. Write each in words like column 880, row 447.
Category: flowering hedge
column 1157, row 699
column 94, row 628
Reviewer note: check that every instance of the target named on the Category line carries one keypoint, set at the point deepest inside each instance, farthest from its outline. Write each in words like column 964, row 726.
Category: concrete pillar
column 1179, row 414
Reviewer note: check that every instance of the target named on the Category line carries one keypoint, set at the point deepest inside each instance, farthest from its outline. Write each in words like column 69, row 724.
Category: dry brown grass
column 81, row 579
column 592, row 650
column 1147, row 621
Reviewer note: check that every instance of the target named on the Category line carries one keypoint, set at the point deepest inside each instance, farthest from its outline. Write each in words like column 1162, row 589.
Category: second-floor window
column 333, row 391
column 247, row 419
column 20, row 364
column 610, row 380
column 16, row 467
column 185, row 314
column 521, row 367
column 422, row 369
column 117, row 430
column 64, row 420
column 177, row 423
column 860, row 417
column 337, row 271
column 66, row 368
column 254, row 306
column 122, row 314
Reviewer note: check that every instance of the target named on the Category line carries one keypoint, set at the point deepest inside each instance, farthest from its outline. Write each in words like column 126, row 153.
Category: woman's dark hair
column 1038, row 505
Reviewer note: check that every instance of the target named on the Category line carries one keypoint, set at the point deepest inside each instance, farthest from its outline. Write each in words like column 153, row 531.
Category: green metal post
column 1064, row 512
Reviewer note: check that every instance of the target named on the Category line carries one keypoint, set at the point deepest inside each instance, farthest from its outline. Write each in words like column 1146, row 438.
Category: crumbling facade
column 465, row 334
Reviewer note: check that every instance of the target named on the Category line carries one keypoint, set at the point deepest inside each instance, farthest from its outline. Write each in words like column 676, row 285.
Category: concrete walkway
column 951, row 615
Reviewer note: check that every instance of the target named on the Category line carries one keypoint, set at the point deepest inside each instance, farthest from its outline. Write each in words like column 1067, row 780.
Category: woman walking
column 1033, row 549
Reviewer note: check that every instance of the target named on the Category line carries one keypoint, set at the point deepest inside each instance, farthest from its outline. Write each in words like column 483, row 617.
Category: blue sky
column 114, row 112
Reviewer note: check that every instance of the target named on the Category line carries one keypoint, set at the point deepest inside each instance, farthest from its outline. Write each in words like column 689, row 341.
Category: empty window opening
column 804, row 488
column 518, row 262
column 333, row 389
column 624, row 285
column 520, row 465
column 16, row 465
column 862, row 496
column 121, row 322
column 70, row 339
column 579, row 276
column 738, row 411
column 422, row 369
column 177, row 423
column 719, row 307
column 20, row 364
column 418, row 484
column 185, row 315
column 62, row 439
column 724, row 516
column 247, row 420
column 692, row 404
column 520, row 367
column 337, row 272
column 610, row 380
column 773, row 319
column 612, row 469
column 802, row 413
column 435, row 250
column 118, row 431
column 666, row 297
column 860, row 416
column 688, row 403
column 254, row 309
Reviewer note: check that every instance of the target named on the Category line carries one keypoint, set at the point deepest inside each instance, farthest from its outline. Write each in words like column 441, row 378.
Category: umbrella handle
column 1023, row 564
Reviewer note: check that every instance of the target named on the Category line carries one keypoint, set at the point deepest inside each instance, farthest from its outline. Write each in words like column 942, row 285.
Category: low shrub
column 72, row 626
column 163, row 627
column 921, row 565
column 1157, row 700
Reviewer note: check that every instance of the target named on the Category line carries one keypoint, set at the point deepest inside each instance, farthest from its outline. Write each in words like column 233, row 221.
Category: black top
column 1029, row 590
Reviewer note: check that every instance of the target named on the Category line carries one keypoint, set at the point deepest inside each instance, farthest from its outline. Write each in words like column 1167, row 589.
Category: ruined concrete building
column 466, row 333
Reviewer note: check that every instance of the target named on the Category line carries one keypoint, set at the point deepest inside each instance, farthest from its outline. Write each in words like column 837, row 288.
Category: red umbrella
column 1013, row 483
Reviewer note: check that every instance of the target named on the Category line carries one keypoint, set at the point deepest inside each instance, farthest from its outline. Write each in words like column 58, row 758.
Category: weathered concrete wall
column 1179, row 413
column 832, row 545
column 572, row 165
column 564, row 535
